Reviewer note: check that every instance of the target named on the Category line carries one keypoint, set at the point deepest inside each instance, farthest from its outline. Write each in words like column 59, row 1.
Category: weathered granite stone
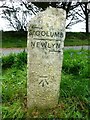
column 46, row 34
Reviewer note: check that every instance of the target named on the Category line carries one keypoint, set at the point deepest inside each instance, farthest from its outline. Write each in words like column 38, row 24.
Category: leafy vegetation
column 14, row 39
column 77, row 39
column 74, row 91
column 16, row 60
column 76, row 62
column 14, row 93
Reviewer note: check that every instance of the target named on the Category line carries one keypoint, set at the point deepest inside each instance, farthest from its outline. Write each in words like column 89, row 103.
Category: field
column 14, row 39
column 74, row 92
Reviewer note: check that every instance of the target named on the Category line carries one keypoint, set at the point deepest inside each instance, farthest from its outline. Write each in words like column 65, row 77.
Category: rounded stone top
column 56, row 13
column 59, row 11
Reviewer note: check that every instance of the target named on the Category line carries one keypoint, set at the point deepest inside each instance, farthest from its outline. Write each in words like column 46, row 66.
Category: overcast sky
column 79, row 27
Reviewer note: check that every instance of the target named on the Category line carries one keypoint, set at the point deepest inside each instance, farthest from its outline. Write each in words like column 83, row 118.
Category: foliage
column 14, row 93
column 74, row 91
column 20, row 60
column 8, row 61
column 77, row 39
column 15, row 60
column 13, row 39
column 76, row 62
column 73, row 101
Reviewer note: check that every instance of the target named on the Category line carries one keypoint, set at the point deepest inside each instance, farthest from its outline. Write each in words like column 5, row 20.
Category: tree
column 86, row 11
column 13, row 13
column 17, row 14
column 71, row 10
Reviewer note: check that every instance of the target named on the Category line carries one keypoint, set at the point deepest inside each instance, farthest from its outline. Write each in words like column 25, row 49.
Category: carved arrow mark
column 43, row 82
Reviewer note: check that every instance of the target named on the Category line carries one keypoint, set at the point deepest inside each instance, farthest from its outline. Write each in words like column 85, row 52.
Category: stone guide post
column 46, row 34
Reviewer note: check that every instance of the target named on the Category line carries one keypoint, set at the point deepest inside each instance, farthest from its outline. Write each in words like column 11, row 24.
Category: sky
column 79, row 27
column 4, row 24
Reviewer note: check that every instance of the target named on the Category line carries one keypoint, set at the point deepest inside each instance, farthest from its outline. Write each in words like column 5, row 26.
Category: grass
column 13, row 93
column 15, row 60
column 77, row 39
column 74, row 91
column 14, row 39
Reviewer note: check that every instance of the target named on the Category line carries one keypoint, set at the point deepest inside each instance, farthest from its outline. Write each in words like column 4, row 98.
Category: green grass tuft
column 74, row 90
